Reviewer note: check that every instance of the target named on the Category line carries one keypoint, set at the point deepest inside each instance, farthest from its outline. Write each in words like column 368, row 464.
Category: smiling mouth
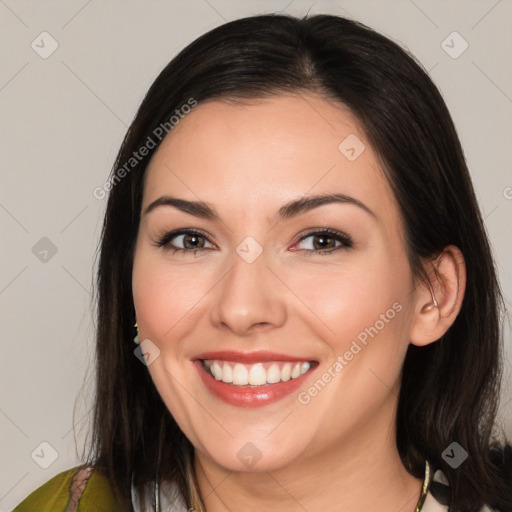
column 258, row 374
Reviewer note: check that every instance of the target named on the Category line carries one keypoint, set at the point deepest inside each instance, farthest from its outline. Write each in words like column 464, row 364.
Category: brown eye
column 192, row 241
column 326, row 241
column 183, row 240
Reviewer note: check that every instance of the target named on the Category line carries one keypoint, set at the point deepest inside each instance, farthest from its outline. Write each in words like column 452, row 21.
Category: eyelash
column 346, row 241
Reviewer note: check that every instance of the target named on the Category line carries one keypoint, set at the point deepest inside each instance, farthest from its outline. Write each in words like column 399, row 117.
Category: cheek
column 363, row 299
column 163, row 296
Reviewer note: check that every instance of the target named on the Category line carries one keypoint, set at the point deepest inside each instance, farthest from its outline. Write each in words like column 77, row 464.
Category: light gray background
column 63, row 119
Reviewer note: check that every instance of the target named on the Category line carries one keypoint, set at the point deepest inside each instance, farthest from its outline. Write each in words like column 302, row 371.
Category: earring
column 136, row 338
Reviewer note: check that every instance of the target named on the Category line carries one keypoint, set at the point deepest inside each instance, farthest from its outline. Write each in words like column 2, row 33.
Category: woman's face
column 312, row 326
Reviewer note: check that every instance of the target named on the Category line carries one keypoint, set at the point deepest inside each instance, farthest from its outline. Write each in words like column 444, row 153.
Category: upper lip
column 259, row 356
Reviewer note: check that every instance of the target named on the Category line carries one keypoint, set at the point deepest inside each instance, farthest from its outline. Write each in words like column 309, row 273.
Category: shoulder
column 76, row 489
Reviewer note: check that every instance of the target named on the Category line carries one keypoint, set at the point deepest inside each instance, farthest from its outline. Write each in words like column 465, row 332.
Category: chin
column 251, row 457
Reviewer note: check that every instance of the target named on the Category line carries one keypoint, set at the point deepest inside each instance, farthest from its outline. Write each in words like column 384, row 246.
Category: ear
column 438, row 302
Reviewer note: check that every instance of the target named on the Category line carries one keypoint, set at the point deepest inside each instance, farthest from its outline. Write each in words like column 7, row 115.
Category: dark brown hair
column 450, row 388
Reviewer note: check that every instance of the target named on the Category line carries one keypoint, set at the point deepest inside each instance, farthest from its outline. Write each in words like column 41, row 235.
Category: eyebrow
column 287, row 211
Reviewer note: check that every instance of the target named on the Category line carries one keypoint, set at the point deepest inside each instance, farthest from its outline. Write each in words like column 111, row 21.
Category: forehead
column 244, row 154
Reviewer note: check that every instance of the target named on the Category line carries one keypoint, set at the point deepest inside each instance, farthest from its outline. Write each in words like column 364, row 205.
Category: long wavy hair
column 450, row 389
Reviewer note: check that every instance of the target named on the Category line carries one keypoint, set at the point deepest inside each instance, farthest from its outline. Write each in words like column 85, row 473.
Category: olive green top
column 61, row 493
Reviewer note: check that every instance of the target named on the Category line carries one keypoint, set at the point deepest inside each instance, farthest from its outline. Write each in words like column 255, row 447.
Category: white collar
column 171, row 499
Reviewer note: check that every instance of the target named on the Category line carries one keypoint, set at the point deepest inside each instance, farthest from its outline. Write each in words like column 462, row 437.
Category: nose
column 249, row 298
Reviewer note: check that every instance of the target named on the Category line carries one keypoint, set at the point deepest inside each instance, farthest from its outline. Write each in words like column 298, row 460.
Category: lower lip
column 249, row 396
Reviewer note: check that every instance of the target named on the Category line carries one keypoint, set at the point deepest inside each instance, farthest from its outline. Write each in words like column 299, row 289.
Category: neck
column 360, row 474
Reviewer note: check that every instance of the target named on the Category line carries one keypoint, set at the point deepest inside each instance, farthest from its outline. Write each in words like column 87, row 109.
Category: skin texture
column 246, row 160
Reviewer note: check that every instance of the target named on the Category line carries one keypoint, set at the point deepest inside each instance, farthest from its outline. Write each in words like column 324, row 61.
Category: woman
column 334, row 339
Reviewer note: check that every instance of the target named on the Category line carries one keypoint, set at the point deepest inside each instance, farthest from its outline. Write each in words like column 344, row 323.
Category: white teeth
column 227, row 373
column 217, row 370
column 304, row 367
column 273, row 374
column 240, row 375
column 255, row 374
